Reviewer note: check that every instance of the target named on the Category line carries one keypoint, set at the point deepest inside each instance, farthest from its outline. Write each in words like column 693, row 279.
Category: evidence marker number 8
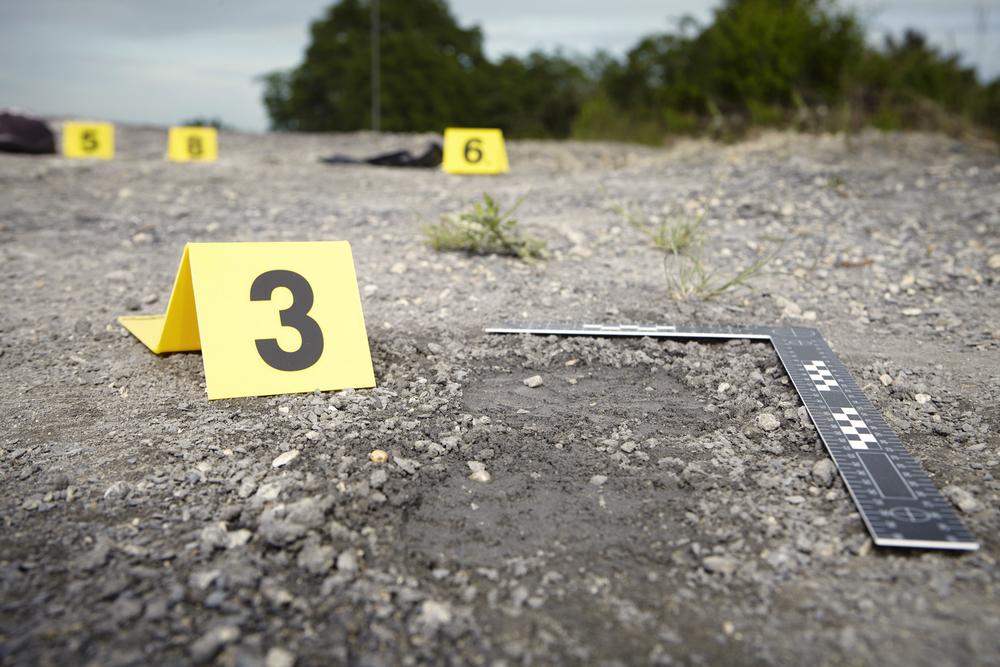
column 193, row 144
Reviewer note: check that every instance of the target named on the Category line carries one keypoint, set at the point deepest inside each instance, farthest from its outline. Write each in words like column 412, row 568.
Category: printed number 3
column 295, row 316
column 473, row 150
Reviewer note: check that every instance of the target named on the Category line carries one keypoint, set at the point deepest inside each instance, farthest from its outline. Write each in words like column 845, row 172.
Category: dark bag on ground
column 24, row 134
column 429, row 158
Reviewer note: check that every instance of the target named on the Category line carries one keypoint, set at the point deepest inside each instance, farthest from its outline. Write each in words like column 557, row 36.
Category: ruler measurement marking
column 897, row 501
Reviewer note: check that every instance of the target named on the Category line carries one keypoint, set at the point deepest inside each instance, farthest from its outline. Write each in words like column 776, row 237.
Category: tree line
column 800, row 63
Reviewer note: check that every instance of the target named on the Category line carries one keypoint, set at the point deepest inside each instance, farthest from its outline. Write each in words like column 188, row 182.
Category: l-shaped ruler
column 898, row 502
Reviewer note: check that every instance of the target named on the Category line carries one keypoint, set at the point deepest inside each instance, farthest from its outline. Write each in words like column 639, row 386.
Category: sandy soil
column 637, row 513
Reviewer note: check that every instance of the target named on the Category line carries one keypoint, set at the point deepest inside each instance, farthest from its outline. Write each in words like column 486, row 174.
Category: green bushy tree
column 429, row 66
column 433, row 72
column 756, row 62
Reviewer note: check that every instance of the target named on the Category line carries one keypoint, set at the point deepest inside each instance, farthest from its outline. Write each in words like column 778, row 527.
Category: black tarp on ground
column 24, row 134
column 429, row 158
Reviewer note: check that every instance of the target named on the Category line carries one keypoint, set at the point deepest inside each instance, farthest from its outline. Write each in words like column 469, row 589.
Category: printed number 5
column 194, row 146
column 473, row 150
column 295, row 316
column 89, row 141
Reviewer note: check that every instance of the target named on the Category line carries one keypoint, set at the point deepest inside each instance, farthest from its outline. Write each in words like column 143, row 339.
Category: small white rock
column 922, row 399
column 434, row 614
column 269, row 491
column 238, row 538
column 723, row 565
column 534, row 381
column 823, row 471
column 962, row 498
column 480, row 476
column 279, row 657
column 347, row 561
column 598, row 480
column 885, row 379
column 285, row 459
column 768, row 422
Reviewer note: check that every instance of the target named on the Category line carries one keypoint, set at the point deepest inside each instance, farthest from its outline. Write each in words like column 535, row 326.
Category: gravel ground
column 648, row 502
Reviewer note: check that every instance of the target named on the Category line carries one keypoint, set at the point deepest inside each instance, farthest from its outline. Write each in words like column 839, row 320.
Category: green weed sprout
column 485, row 230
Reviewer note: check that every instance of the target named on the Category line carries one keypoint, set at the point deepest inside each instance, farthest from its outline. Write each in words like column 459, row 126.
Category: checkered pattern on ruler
column 853, row 427
column 821, row 376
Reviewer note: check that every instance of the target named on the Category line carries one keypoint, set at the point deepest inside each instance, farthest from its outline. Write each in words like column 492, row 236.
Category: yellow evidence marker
column 193, row 144
column 269, row 318
column 88, row 140
column 474, row 151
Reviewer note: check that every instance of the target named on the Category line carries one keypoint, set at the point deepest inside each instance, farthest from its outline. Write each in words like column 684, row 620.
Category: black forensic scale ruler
column 898, row 502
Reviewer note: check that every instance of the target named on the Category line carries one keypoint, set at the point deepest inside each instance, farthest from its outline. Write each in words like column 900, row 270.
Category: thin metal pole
column 376, row 74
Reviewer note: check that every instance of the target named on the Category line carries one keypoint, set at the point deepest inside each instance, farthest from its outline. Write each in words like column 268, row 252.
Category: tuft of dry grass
column 485, row 230
column 681, row 237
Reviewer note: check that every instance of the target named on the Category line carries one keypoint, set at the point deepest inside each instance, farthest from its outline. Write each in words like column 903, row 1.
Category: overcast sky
column 155, row 62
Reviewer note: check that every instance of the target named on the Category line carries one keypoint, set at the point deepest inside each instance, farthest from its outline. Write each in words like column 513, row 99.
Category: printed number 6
column 89, row 141
column 194, row 146
column 473, row 150
column 295, row 316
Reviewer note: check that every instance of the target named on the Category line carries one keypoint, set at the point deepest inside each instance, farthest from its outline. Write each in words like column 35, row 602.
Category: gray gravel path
column 641, row 502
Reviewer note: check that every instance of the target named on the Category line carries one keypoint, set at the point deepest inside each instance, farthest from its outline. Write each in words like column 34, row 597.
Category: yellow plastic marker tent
column 474, row 151
column 193, row 144
column 269, row 318
column 88, row 140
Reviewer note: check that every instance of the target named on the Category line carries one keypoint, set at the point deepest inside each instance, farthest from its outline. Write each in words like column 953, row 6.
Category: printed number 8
column 88, row 140
column 194, row 146
column 474, row 150
column 295, row 316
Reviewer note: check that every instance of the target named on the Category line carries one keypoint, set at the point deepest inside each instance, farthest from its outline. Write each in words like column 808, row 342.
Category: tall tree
column 428, row 66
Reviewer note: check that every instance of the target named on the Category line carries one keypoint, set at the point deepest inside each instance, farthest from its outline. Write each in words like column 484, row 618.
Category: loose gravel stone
column 209, row 644
column 279, row 657
column 480, row 476
column 534, row 381
column 347, row 561
column 316, row 559
column 768, row 422
column 378, row 478
column 963, row 499
column 723, row 565
column 823, row 472
column 285, row 458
